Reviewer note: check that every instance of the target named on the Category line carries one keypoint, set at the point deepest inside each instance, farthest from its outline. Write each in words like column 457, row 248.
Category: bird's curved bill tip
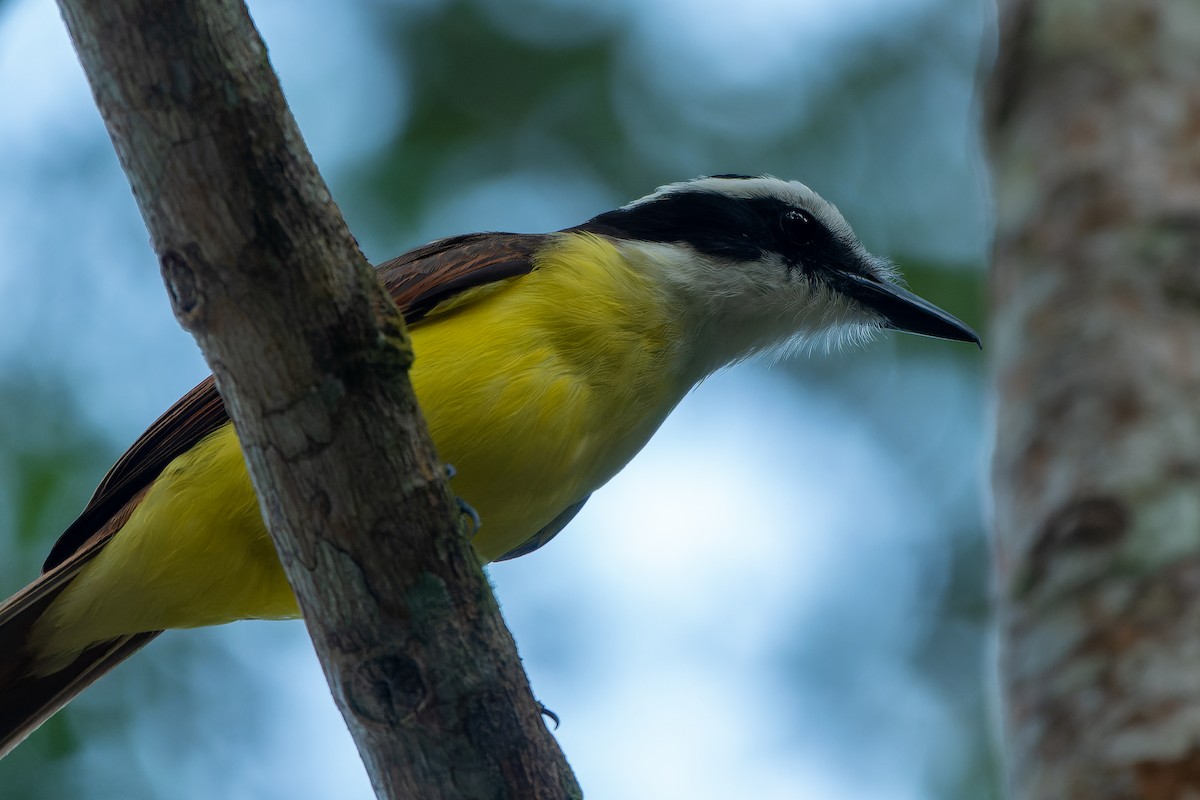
column 904, row 311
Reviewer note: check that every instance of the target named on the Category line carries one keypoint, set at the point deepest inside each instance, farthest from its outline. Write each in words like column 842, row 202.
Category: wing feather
column 422, row 278
column 418, row 281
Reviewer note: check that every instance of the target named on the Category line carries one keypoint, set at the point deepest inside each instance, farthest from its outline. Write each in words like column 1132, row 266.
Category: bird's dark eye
column 797, row 224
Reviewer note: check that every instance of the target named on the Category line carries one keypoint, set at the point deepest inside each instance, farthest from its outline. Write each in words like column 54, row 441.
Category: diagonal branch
column 311, row 358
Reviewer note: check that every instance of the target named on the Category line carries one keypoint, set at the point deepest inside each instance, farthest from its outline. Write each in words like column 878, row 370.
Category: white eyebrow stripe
column 766, row 186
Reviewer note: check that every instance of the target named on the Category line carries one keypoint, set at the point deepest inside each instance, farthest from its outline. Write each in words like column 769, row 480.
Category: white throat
column 731, row 311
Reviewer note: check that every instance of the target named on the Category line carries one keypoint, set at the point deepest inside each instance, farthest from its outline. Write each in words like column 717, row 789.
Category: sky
column 680, row 627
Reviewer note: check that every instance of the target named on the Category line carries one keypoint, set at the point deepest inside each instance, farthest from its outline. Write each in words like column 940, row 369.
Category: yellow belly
column 530, row 391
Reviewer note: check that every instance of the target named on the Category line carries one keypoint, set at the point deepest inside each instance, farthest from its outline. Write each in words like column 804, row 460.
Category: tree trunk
column 1094, row 118
column 311, row 358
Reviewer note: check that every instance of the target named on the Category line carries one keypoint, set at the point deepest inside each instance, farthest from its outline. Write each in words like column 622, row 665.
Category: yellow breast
column 537, row 390
column 542, row 391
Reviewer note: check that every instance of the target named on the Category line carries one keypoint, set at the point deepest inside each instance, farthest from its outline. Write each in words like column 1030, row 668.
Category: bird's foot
column 464, row 508
column 548, row 714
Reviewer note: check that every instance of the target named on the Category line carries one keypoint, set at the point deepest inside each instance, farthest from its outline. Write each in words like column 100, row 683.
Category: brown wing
column 417, row 281
column 422, row 278
column 195, row 415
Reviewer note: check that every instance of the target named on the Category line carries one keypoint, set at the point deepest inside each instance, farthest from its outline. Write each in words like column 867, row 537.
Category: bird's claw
column 464, row 508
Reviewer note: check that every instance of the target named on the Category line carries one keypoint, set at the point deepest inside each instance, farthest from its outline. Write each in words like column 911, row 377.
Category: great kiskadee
column 544, row 362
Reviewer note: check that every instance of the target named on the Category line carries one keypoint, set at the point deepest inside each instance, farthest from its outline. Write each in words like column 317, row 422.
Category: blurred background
column 784, row 596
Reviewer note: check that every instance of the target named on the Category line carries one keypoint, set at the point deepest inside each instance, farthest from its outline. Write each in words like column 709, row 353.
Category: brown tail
column 28, row 699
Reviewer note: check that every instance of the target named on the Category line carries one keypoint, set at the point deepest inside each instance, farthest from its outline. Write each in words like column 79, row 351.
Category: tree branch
column 311, row 358
column 1096, row 290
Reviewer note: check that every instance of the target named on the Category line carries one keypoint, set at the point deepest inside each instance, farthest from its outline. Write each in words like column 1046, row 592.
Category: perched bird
column 544, row 362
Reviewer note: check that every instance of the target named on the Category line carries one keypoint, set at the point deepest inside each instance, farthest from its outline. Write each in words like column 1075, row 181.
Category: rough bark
column 311, row 358
column 1094, row 121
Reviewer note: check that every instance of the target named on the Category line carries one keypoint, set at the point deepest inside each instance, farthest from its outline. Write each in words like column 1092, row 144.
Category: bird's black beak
column 903, row 310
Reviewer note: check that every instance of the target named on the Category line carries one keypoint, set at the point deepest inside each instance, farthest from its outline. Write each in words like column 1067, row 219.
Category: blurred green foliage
column 482, row 102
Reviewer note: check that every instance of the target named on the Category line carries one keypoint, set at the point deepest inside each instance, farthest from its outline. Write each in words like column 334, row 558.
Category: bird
column 543, row 363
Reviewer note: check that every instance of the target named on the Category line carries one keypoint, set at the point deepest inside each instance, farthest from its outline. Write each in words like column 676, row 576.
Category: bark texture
column 1094, row 117
column 311, row 358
